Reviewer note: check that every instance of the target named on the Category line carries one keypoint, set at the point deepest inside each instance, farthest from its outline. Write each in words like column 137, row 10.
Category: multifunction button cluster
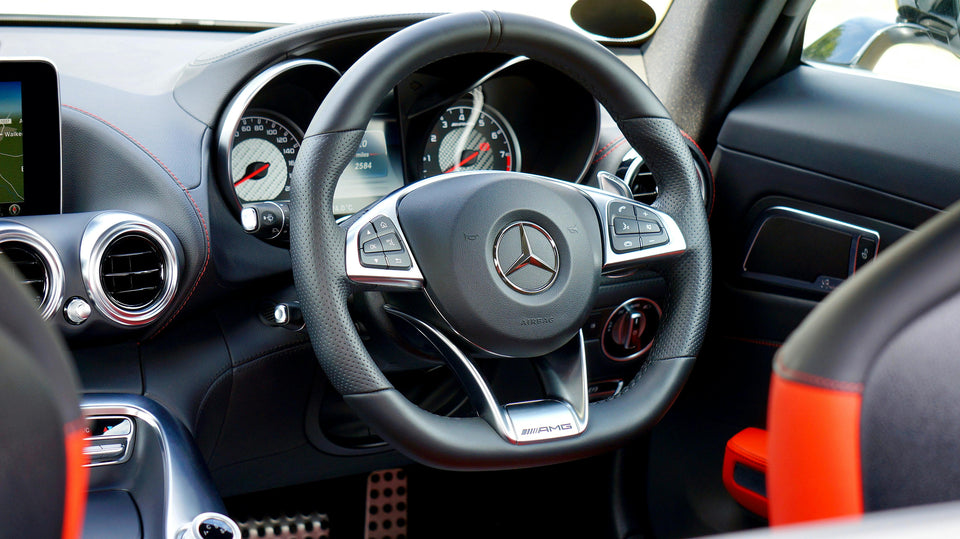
column 634, row 227
column 381, row 246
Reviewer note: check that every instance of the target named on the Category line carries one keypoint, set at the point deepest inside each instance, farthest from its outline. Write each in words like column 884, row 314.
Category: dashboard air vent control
column 27, row 261
column 132, row 270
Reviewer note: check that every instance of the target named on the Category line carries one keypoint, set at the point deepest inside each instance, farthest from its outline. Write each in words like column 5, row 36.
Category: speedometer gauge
column 470, row 135
column 261, row 161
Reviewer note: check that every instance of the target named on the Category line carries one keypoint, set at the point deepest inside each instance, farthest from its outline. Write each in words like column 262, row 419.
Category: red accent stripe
column 748, row 448
column 814, row 452
column 75, row 499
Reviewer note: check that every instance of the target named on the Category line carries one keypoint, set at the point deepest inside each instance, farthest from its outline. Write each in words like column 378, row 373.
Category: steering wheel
column 511, row 263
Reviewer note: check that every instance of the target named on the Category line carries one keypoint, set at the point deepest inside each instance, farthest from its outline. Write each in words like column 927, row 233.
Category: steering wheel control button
column 368, row 232
column 526, row 257
column 649, row 227
column 625, row 226
column 373, row 260
column 76, row 311
column 390, row 243
column 644, row 214
column 383, row 225
column 622, row 210
column 652, row 240
column 624, row 243
column 372, row 246
column 399, row 260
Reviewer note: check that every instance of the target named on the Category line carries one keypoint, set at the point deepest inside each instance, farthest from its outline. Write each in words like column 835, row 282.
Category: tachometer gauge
column 470, row 135
column 264, row 152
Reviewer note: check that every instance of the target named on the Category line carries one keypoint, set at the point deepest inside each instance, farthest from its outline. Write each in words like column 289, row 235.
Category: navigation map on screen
column 11, row 143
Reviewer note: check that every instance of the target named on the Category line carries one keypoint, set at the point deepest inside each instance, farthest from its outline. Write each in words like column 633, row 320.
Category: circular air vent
column 130, row 267
column 37, row 263
column 635, row 172
column 132, row 271
column 27, row 261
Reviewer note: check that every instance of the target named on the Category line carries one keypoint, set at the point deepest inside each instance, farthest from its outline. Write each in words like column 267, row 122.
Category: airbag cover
column 541, row 294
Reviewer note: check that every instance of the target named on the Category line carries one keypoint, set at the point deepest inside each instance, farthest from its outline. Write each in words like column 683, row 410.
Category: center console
column 147, row 478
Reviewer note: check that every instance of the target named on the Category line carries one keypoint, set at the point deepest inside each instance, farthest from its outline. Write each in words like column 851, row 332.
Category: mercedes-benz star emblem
column 526, row 257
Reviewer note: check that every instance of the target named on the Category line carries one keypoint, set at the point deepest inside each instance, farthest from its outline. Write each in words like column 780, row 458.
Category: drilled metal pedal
column 312, row 526
column 386, row 505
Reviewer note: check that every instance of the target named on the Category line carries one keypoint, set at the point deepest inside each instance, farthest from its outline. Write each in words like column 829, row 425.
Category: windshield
column 292, row 11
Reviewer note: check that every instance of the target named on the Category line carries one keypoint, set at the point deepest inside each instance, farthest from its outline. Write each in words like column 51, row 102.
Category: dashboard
column 165, row 258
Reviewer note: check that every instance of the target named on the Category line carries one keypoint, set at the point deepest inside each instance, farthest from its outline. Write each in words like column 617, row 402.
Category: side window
column 913, row 41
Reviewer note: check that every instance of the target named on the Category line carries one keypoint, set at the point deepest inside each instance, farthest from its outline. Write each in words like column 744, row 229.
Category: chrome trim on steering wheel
column 561, row 415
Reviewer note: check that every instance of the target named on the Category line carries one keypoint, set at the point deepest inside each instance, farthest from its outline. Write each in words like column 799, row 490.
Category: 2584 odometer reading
column 261, row 161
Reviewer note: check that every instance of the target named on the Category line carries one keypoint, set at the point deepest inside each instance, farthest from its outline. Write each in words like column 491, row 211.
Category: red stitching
column 615, row 146
column 611, row 143
column 713, row 180
column 814, row 380
column 196, row 207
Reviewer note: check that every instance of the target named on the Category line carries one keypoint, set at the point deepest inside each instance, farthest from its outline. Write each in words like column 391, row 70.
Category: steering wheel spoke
column 562, row 414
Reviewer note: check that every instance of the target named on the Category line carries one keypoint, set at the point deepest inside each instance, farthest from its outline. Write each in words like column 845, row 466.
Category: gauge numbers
column 261, row 161
column 467, row 138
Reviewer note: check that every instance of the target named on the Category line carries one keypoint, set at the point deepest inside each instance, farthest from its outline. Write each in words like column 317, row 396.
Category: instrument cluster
column 476, row 112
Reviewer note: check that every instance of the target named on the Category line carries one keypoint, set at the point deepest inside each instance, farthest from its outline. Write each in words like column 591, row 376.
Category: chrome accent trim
column 528, row 422
column 240, row 102
column 53, row 294
column 191, row 530
column 187, row 487
column 527, row 257
column 128, row 438
column 808, row 217
column 100, row 232
column 606, row 324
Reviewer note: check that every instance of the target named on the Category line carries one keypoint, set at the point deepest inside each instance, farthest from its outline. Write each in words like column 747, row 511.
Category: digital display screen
column 29, row 138
column 375, row 171
column 11, row 148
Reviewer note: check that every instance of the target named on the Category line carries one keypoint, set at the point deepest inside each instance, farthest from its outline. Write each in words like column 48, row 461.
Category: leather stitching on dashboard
column 196, row 207
column 811, row 379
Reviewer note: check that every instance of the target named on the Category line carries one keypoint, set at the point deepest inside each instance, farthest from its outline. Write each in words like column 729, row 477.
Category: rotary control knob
column 210, row 526
column 630, row 329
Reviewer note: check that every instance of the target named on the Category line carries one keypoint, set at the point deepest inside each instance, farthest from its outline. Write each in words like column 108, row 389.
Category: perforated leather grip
column 318, row 243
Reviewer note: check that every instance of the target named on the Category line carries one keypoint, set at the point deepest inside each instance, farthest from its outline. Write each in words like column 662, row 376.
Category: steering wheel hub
column 512, row 261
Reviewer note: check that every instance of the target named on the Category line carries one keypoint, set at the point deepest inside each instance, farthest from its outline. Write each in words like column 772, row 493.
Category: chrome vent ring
column 38, row 263
column 130, row 267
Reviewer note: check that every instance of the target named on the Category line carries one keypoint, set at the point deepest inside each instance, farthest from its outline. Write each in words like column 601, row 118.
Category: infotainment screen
column 29, row 138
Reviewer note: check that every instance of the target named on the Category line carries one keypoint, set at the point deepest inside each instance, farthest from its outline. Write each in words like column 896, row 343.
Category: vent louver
column 132, row 271
column 33, row 271
column 636, row 173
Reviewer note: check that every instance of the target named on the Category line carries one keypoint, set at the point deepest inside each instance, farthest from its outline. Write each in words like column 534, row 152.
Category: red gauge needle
column 252, row 174
column 484, row 147
column 464, row 162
